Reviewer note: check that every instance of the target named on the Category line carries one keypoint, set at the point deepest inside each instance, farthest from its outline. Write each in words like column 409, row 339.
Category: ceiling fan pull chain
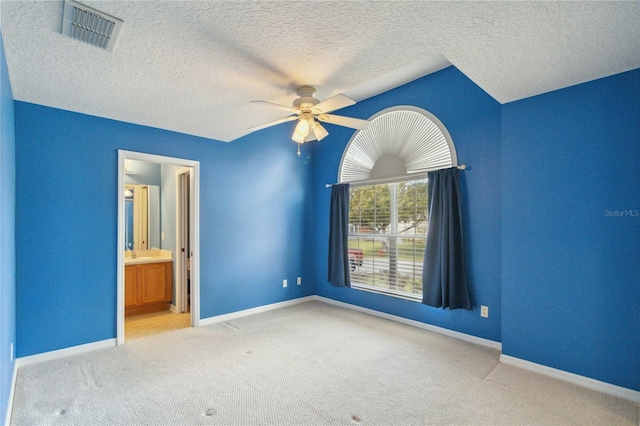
column 298, row 149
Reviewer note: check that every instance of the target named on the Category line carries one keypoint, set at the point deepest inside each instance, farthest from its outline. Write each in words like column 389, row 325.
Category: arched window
column 386, row 165
column 400, row 143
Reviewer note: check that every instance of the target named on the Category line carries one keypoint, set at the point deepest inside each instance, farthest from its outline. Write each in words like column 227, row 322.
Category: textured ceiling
column 194, row 66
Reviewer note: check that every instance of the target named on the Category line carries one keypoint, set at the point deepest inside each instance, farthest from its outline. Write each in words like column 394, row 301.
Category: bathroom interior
column 149, row 251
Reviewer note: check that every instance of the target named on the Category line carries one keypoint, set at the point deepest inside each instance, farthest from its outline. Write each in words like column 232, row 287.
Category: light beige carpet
column 309, row 364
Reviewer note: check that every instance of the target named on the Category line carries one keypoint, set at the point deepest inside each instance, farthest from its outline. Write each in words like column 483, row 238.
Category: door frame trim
column 195, row 243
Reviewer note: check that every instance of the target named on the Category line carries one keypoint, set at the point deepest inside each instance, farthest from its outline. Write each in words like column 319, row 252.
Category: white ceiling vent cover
column 90, row 26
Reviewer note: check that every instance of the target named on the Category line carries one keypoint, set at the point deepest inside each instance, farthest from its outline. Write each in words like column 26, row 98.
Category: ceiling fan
column 309, row 112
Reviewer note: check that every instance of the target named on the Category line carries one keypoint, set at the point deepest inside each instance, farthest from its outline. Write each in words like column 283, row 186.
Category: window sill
column 387, row 292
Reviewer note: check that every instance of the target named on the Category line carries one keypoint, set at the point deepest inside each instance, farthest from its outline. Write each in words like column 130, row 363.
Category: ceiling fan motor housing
column 306, row 98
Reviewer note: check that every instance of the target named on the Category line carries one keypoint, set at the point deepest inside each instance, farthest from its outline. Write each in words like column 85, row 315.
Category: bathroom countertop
column 138, row 260
column 148, row 256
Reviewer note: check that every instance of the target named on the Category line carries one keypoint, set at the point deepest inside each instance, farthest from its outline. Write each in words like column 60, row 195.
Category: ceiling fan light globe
column 319, row 131
column 297, row 138
column 302, row 128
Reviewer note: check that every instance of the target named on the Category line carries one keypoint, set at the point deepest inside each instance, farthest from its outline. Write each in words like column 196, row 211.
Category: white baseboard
column 61, row 353
column 576, row 379
column 173, row 308
column 239, row 314
column 455, row 334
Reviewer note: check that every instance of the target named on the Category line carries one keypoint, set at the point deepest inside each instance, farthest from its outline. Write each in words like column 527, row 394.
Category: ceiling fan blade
column 333, row 103
column 354, row 123
column 283, row 107
column 272, row 123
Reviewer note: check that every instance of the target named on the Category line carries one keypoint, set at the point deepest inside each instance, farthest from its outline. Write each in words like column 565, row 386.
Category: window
column 386, row 165
column 387, row 235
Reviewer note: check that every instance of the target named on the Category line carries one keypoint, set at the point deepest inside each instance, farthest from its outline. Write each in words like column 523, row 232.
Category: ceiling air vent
column 90, row 26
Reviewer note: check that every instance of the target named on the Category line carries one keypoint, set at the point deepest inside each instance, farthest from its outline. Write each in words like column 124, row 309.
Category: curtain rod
column 460, row 167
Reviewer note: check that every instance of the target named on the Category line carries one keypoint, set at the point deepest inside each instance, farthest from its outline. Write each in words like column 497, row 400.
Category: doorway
column 182, row 241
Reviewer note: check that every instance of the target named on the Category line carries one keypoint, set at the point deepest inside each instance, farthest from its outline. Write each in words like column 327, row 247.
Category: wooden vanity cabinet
column 148, row 287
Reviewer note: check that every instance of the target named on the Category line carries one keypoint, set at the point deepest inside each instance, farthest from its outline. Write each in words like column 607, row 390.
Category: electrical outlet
column 299, row 280
column 284, row 283
column 484, row 311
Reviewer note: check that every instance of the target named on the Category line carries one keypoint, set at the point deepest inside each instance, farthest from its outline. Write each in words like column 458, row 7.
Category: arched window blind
column 401, row 143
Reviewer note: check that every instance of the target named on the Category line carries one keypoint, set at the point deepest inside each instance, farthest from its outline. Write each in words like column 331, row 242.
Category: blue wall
column 570, row 264
column 473, row 120
column 546, row 250
column 253, row 212
column 7, row 234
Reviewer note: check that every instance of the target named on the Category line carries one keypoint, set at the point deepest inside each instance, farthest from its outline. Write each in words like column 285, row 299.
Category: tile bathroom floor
column 138, row 326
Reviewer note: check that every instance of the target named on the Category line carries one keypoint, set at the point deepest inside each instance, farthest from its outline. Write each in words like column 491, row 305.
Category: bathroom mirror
column 142, row 217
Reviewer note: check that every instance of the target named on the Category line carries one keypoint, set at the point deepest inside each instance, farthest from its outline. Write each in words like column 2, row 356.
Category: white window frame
column 357, row 270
